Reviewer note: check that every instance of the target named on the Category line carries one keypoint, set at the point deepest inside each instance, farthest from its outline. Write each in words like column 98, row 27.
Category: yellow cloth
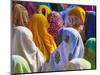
column 47, row 10
column 38, row 24
column 79, row 12
column 20, row 15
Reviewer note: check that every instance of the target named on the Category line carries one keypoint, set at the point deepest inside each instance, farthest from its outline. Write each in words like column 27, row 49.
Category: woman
column 20, row 15
column 76, row 19
column 56, row 22
column 45, row 10
column 70, row 46
column 23, row 45
column 38, row 24
column 73, row 38
column 91, row 24
column 19, row 65
column 64, row 12
column 31, row 7
column 90, row 52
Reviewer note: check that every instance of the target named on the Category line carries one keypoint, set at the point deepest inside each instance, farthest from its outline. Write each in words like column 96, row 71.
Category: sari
column 90, row 52
column 73, row 38
column 23, row 45
column 45, row 10
column 69, row 48
column 31, row 8
column 64, row 13
column 76, row 19
column 56, row 22
column 19, row 65
column 90, row 24
column 79, row 17
column 38, row 24
column 20, row 15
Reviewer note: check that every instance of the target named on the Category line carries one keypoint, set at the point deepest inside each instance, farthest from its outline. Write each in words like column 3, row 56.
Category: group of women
column 52, row 37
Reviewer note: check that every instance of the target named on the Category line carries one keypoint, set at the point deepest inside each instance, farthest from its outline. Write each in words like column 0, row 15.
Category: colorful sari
column 19, row 65
column 76, row 19
column 31, row 7
column 91, row 24
column 20, row 15
column 79, row 17
column 70, row 47
column 56, row 22
column 64, row 13
column 90, row 52
column 73, row 38
column 38, row 24
column 45, row 10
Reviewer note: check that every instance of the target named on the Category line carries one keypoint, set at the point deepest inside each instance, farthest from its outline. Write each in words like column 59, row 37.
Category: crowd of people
column 49, row 37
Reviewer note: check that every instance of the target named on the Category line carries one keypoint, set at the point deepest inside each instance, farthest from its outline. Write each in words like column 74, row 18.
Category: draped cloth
column 91, row 24
column 90, row 52
column 38, row 24
column 23, row 45
column 56, row 22
column 69, row 48
column 20, row 15
column 45, row 10
column 20, row 65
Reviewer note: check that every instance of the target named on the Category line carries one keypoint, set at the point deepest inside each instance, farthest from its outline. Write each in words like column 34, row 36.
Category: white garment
column 23, row 45
column 78, row 64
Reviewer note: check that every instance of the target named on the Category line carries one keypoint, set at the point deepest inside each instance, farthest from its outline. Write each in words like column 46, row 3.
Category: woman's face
column 75, row 21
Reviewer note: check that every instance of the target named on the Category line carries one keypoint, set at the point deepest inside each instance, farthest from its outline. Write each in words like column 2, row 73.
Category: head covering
column 45, row 10
column 31, row 7
column 78, row 64
column 38, row 24
column 73, row 38
column 19, row 65
column 91, row 24
column 20, row 15
column 56, row 22
column 90, row 51
column 64, row 12
column 23, row 45
column 88, row 7
column 79, row 12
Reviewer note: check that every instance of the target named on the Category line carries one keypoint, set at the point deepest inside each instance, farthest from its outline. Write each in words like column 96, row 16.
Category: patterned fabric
column 55, row 22
column 38, row 24
column 19, row 65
